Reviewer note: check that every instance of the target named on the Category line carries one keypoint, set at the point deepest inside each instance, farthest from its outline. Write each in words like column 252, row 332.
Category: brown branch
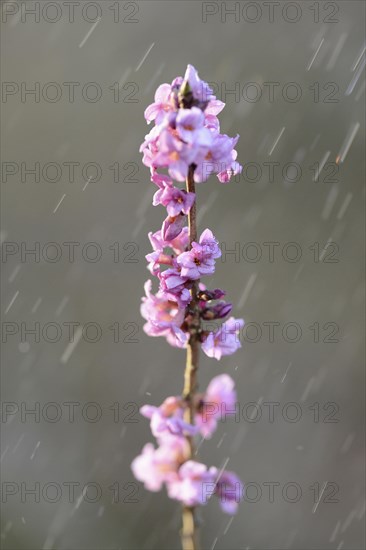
column 189, row 531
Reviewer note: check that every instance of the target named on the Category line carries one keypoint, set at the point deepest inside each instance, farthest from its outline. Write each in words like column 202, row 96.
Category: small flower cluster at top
column 188, row 481
column 186, row 134
column 186, row 143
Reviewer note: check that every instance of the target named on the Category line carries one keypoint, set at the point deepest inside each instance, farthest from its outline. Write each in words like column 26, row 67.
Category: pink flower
column 175, row 200
column 193, row 485
column 230, row 491
column 179, row 244
column 200, row 260
column 172, row 282
column 164, row 316
column 157, row 466
column 167, row 420
column 156, row 259
column 213, row 124
column 187, row 130
column 150, row 145
column 190, row 127
column 232, row 170
column 162, row 105
column 214, row 107
column 217, row 158
column 225, row 340
column 151, row 469
column 218, row 400
column 174, row 154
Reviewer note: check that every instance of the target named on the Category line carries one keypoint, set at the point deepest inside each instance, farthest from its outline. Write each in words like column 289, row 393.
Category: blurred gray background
column 323, row 378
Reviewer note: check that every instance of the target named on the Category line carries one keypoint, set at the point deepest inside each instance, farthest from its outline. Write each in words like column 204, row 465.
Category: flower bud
column 218, row 311
column 172, row 226
column 207, row 295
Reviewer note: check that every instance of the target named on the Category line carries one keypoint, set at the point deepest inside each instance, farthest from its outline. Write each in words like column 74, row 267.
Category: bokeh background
column 323, row 53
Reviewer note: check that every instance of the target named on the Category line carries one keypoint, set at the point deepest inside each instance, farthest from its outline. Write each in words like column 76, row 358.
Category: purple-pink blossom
column 154, row 467
column 225, row 341
column 175, row 200
column 187, row 131
column 191, row 484
column 218, row 158
column 164, row 316
column 167, row 420
column 179, row 244
column 200, row 260
column 216, row 403
column 190, row 127
column 162, row 105
column 230, row 491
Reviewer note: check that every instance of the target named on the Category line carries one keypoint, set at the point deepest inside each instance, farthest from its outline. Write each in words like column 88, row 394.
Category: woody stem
column 189, row 531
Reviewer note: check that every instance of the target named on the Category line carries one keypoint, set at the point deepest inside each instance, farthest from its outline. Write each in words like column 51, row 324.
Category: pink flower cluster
column 167, row 312
column 188, row 481
column 187, row 131
column 186, row 143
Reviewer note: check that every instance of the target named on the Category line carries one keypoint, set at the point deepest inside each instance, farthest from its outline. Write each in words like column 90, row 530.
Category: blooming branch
column 186, row 145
